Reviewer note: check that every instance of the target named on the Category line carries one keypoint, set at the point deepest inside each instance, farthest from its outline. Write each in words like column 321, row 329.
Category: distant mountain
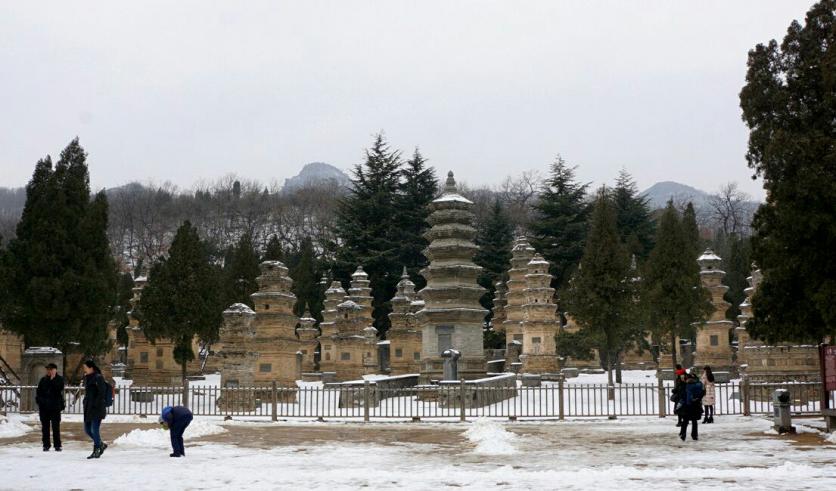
column 316, row 173
column 659, row 194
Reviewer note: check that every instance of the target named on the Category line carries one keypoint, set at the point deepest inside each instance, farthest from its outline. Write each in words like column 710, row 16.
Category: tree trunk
column 673, row 350
column 618, row 367
column 610, row 386
column 183, row 371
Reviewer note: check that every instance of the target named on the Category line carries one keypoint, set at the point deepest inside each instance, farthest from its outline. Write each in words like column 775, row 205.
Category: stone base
column 540, row 364
column 468, row 369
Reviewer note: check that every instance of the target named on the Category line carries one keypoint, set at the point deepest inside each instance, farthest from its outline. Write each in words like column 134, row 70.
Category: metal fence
column 452, row 401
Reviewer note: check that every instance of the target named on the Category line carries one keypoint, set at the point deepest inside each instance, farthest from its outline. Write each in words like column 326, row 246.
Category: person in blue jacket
column 176, row 419
column 691, row 409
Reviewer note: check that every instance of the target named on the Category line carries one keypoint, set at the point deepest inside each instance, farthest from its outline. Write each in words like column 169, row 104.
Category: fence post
column 560, row 383
column 365, row 401
column 274, row 403
column 662, row 399
column 185, row 401
column 746, row 397
column 462, row 413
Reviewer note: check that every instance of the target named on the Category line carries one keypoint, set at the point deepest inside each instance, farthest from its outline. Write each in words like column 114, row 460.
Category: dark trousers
column 709, row 411
column 92, row 430
column 177, row 429
column 683, row 430
column 51, row 419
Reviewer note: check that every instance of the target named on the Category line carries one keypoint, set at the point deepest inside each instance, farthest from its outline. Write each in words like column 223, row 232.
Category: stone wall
column 493, row 390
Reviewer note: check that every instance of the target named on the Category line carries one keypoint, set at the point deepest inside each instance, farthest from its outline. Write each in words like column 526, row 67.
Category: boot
column 102, row 448
column 711, row 419
column 96, row 453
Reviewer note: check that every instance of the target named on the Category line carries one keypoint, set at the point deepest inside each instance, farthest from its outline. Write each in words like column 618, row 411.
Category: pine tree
column 273, row 251
column 305, row 271
column 58, row 271
column 788, row 105
column 182, row 299
column 672, row 295
column 635, row 227
column 417, row 189
column 600, row 293
column 241, row 268
column 692, row 232
column 367, row 228
column 738, row 266
column 560, row 230
column 494, row 239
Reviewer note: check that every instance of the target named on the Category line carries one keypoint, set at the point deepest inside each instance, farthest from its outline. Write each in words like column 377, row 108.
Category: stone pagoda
column 334, row 296
column 404, row 334
column 540, row 323
column 238, row 357
column 308, row 334
column 713, row 347
column 515, row 298
column 349, row 341
column 452, row 317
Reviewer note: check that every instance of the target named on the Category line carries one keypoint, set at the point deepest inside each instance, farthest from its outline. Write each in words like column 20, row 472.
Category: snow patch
column 831, row 437
column 491, row 438
column 160, row 438
column 10, row 428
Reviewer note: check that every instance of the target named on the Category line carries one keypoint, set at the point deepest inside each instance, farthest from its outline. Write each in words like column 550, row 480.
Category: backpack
column 108, row 394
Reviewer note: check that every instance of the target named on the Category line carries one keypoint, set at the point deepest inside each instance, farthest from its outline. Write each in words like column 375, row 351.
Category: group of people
column 694, row 398
column 98, row 396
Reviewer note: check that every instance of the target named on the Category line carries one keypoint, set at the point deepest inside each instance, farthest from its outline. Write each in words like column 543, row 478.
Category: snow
column 626, row 454
column 160, row 438
column 12, row 427
column 239, row 308
column 831, row 437
column 491, row 438
column 448, row 197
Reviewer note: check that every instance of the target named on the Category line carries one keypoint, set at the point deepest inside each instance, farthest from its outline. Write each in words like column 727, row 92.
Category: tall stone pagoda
column 515, row 298
column 452, row 317
column 540, row 322
column 404, row 334
column 334, row 296
column 308, row 334
column 713, row 346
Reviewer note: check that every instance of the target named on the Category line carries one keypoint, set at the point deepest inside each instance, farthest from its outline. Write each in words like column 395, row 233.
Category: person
column 50, row 400
column 691, row 408
column 678, row 387
column 95, row 408
column 176, row 419
column 707, row 379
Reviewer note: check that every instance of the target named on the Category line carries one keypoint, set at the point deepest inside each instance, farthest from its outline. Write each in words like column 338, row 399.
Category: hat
column 51, row 366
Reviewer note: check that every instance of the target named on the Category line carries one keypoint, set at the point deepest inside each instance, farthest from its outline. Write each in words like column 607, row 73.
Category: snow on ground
column 13, row 427
column 160, row 438
column 627, row 377
column 628, row 453
column 491, row 438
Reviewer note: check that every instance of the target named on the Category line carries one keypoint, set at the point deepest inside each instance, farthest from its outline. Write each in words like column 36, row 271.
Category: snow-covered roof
column 349, row 304
column 239, row 308
column 452, row 197
column 140, row 279
column 709, row 255
column 385, row 342
column 42, row 350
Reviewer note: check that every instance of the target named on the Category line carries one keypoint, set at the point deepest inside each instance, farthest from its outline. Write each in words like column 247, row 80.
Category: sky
column 192, row 91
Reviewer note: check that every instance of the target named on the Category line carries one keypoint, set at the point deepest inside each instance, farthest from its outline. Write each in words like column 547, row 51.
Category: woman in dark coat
column 691, row 409
column 95, row 409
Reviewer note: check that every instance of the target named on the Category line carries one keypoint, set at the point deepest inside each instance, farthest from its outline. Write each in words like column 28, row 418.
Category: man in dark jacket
column 50, row 400
column 176, row 419
column 678, row 390
column 691, row 410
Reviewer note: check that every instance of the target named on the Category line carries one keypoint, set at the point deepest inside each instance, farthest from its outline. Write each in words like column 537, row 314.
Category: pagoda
column 713, row 346
column 540, row 323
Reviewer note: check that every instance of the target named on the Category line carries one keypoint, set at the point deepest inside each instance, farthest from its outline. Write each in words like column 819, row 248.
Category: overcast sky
column 183, row 91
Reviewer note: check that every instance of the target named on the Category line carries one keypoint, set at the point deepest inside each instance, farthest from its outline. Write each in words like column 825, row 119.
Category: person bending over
column 176, row 419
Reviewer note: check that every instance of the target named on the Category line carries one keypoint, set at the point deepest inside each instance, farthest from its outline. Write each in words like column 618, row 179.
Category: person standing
column 707, row 379
column 691, row 409
column 95, row 408
column 50, row 400
column 677, row 392
column 176, row 419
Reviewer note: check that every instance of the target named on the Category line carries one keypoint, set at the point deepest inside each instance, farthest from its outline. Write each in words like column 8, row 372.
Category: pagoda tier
column 452, row 317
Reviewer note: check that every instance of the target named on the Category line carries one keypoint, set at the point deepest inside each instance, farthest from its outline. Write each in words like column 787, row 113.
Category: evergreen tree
column 692, row 232
column 560, row 230
column 417, row 189
column 273, row 251
column 58, row 272
column 241, row 268
column 122, row 307
column 635, row 227
column 305, row 271
column 673, row 297
column 183, row 299
column 367, row 227
column 600, row 294
column 494, row 239
column 788, row 105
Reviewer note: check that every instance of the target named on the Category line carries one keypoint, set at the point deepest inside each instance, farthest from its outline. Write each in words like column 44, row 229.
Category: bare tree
column 731, row 210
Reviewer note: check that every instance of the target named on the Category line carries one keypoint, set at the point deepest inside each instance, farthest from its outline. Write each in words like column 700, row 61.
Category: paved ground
column 630, row 453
